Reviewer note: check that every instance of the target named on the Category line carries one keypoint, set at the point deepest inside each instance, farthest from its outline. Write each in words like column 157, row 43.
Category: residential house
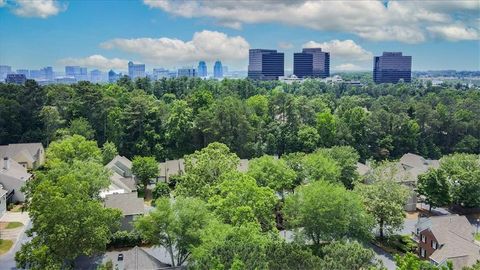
column 169, row 168
column 406, row 172
column 29, row 155
column 13, row 177
column 447, row 238
column 243, row 165
column 362, row 169
column 3, row 200
column 136, row 258
column 410, row 167
column 130, row 205
column 121, row 180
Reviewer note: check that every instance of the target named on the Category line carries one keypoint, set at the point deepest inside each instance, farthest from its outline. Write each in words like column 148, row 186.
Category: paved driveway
column 7, row 260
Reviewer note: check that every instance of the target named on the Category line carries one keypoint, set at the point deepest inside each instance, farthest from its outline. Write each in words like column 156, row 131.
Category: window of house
column 422, row 252
column 434, row 244
column 424, row 239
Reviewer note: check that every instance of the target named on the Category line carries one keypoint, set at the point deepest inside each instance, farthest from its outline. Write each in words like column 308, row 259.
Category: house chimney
column 6, row 163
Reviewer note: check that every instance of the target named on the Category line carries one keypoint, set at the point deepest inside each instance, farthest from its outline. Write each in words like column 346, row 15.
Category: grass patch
column 13, row 225
column 477, row 236
column 5, row 246
column 17, row 208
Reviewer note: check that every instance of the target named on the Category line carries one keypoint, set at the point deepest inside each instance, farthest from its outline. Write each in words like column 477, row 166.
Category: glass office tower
column 265, row 64
column 218, row 70
column 392, row 67
column 312, row 63
column 202, row 69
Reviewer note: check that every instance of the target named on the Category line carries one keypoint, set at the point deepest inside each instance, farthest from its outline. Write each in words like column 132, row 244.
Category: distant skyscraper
column 24, row 72
column 35, row 74
column 96, row 76
column 265, row 64
column 202, row 69
column 391, row 67
column 311, row 62
column 218, row 70
column 16, row 78
column 4, row 70
column 136, row 70
column 159, row 73
column 187, row 72
column 112, row 76
column 47, row 73
column 79, row 73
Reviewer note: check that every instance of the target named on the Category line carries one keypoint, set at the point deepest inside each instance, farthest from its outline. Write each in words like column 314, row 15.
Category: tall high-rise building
column 218, row 70
column 25, row 72
column 187, row 72
column 4, row 70
column 113, row 76
column 15, row 78
column 159, row 73
column 265, row 64
column 392, row 67
column 47, row 73
column 79, row 73
column 136, row 70
column 202, row 69
column 311, row 62
column 96, row 76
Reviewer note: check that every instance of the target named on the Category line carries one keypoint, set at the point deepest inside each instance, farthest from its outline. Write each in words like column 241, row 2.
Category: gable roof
column 27, row 149
column 454, row 234
column 128, row 203
column 362, row 169
column 121, row 179
column 15, row 171
column 135, row 258
column 171, row 167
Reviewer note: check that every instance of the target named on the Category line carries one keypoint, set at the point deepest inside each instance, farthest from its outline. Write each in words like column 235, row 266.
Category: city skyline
column 106, row 35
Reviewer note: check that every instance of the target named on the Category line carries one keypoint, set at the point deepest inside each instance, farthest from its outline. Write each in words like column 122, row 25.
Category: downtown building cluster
column 263, row 64
column 391, row 67
column 75, row 74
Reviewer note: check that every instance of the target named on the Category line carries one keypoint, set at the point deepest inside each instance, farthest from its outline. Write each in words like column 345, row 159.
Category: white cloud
column 2, row 3
column 342, row 49
column 348, row 67
column 455, row 32
column 405, row 21
column 95, row 61
column 285, row 45
column 37, row 8
column 205, row 45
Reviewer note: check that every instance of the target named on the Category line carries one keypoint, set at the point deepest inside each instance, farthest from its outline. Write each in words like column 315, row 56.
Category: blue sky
column 104, row 34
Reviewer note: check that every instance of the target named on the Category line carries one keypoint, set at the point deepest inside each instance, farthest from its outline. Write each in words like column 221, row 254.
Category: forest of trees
column 221, row 218
column 173, row 117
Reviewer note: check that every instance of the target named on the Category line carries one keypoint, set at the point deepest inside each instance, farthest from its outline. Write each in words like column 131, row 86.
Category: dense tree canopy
column 169, row 118
column 322, row 211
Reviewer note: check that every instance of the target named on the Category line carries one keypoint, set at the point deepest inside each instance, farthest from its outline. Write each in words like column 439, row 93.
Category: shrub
column 125, row 239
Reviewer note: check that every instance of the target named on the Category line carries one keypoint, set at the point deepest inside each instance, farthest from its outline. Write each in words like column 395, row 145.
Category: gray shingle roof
column 128, row 203
column 135, row 258
column 454, row 234
column 12, row 150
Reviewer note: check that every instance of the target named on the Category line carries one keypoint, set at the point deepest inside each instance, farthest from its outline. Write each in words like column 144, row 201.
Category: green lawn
column 5, row 245
column 13, row 225
column 477, row 236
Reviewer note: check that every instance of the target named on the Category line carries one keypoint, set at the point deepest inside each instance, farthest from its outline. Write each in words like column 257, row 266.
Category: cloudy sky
column 166, row 33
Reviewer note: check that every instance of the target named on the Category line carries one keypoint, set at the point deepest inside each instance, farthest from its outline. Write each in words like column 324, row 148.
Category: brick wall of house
column 427, row 245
